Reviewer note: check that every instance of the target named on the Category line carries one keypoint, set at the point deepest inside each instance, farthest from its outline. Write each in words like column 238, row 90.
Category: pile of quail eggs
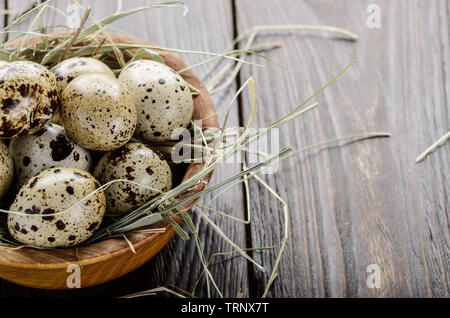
column 65, row 132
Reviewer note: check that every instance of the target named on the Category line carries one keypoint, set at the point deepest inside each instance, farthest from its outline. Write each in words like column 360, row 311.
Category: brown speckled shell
column 71, row 68
column 98, row 112
column 6, row 169
column 162, row 97
column 50, row 192
column 67, row 70
column 28, row 98
column 48, row 148
column 138, row 163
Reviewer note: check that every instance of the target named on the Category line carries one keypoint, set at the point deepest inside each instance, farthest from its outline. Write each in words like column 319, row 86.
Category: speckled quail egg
column 163, row 99
column 98, row 112
column 28, row 98
column 6, row 169
column 71, row 68
column 52, row 191
column 48, row 148
column 138, row 163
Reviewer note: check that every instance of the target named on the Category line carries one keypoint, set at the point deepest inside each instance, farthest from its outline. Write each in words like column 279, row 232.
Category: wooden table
column 350, row 205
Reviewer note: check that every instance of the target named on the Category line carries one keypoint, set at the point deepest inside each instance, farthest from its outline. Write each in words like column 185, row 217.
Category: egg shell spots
column 47, row 193
column 138, row 163
column 6, row 169
column 48, row 148
column 70, row 69
column 163, row 99
column 28, row 98
column 98, row 112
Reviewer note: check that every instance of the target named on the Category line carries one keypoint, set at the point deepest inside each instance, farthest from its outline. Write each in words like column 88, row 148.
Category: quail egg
column 6, row 169
column 49, row 147
column 163, row 99
column 28, row 98
column 98, row 112
column 138, row 163
column 71, row 68
column 53, row 191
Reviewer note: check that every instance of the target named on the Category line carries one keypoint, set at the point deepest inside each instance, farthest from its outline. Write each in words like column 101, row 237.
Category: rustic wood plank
column 368, row 202
column 178, row 264
column 3, row 16
column 15, row 8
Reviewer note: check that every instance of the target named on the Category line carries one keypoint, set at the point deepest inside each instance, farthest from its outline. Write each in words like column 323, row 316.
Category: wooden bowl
column 106, row 260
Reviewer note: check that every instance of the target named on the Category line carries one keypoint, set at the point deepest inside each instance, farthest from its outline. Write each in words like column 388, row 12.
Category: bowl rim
column 138, row 240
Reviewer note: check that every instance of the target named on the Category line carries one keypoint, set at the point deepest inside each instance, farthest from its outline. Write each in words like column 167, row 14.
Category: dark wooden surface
column 350, row 206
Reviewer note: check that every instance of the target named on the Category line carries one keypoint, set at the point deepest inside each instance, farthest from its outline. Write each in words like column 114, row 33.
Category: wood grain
column 368, row 202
